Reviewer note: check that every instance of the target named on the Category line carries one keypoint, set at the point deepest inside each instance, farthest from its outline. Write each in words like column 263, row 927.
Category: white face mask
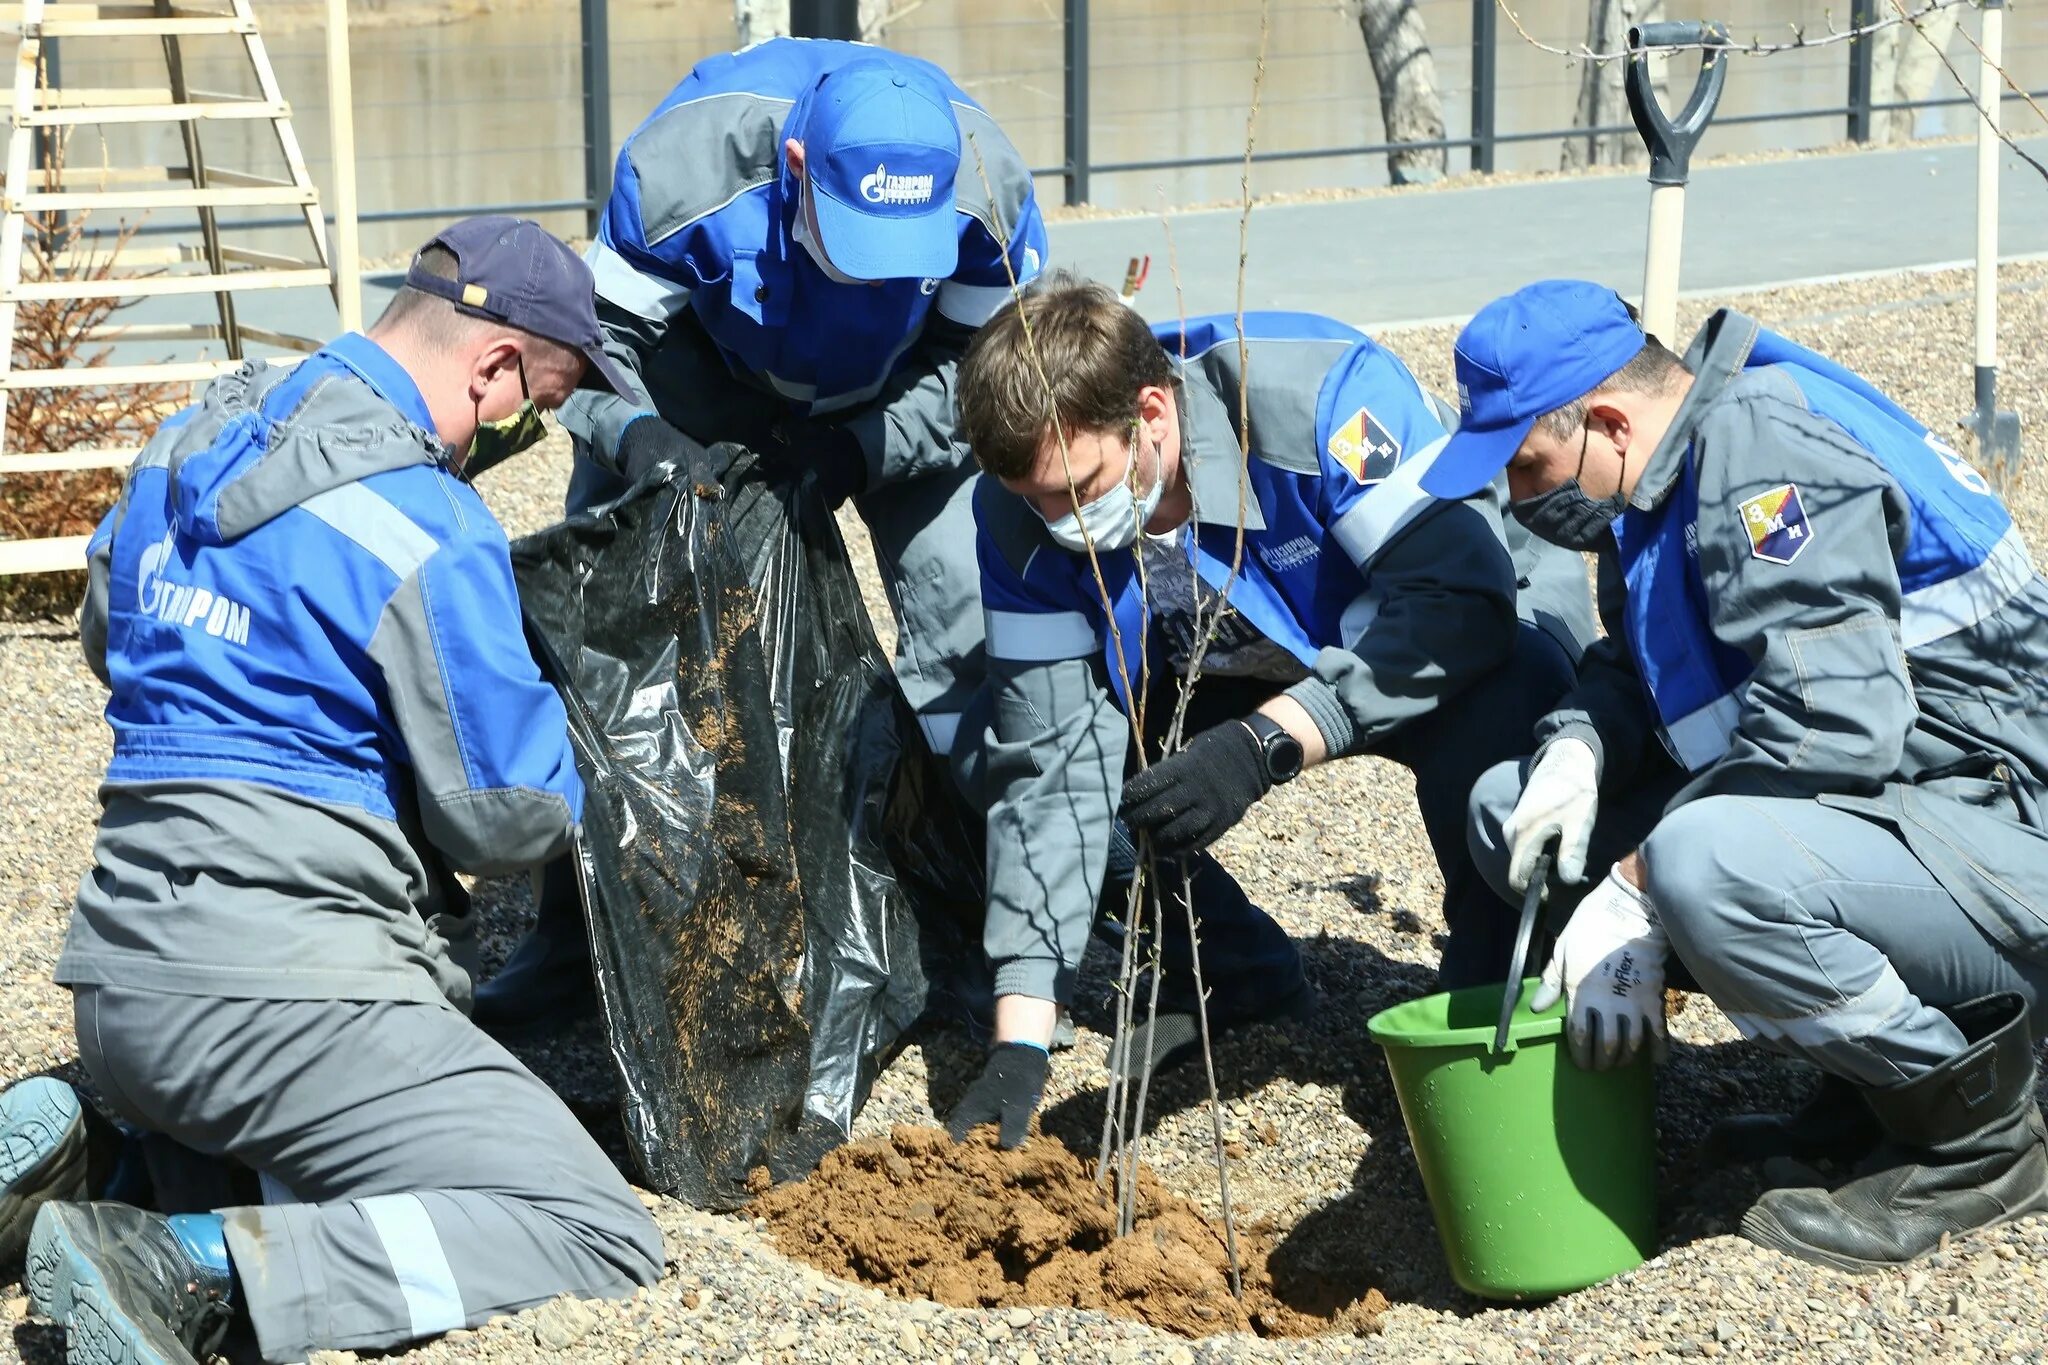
column 1114, row 520
column 808, row 240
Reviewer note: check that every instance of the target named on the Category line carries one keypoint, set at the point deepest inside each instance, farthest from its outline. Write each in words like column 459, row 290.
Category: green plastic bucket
column 1542, row 1176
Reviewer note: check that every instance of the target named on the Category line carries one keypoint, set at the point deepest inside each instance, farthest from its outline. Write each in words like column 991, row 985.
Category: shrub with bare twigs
column 54, row 334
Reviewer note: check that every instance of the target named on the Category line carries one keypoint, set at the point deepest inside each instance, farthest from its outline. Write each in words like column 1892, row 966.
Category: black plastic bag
column 754, row 776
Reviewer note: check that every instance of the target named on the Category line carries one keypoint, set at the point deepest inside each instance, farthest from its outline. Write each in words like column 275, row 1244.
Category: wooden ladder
column 209, row 266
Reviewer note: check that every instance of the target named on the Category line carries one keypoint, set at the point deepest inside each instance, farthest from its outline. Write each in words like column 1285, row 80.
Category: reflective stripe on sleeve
column 1385, row 509
column 971, row 305
column 1040, row 637
column 1941, row 609
column 1700, row 738
column 619, row 281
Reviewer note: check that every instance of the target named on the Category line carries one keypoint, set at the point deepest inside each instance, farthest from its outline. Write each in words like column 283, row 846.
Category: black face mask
column 1566, row 516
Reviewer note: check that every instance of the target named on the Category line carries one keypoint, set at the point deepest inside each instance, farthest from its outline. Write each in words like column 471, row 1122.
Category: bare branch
column 1977, row 97
column 1755, row 47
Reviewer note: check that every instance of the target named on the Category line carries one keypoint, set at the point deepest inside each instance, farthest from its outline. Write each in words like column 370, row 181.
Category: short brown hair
column 1067, row 354
column 1654, row 370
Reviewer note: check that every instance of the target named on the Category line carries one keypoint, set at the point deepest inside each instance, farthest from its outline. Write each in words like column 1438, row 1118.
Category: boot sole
column 42, row 1157
column 97, row 1332
column 1762, row 1227
column 58, row 1266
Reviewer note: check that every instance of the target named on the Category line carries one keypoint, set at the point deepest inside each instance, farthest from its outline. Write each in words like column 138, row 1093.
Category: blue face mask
column 1113, row 520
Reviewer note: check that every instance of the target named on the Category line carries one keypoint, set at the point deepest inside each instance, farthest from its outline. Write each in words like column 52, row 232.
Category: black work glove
column 650, row 440
column 830, row 453
column 1188, row 800
column 1007, row 1093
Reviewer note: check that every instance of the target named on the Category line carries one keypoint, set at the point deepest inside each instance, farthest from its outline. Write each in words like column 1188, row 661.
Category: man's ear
column 1154, row 402
column 793, row 153
column 1608, row 419
column 493, row 360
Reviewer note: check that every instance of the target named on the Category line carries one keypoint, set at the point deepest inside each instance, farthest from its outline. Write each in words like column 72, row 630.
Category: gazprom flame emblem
column 182, row 604
column 884, row 188
column 149, row 575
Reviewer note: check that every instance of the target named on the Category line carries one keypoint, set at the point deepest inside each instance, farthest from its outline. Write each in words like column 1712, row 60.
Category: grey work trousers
column 1816, row 931
column 432, row 1181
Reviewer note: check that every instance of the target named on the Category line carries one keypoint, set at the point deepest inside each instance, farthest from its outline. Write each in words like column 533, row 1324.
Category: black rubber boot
column 1964, row 1149
column 42, row 1157
column 1834, row 1124
column 130, row 1286
column 546, row 983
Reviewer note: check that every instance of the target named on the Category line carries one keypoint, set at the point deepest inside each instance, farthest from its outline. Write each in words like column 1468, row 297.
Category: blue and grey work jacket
column 700, row 217
column 1387, row 600
column 318, row 681
column 1810, row 595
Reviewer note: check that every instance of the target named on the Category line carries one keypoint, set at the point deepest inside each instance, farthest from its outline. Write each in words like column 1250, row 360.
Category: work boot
column 1175, row 1034
column 131, row 1287
column 1834, row 1124
column 546, row 983
column 42, row 1157
column 1964, row 1149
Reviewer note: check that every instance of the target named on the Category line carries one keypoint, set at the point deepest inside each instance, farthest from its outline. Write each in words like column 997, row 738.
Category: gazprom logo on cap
column 884, row 188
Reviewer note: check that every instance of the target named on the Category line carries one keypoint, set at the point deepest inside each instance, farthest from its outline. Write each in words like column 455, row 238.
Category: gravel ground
column 1320, row 1152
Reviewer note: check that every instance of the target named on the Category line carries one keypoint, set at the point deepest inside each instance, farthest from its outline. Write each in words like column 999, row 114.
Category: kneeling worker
column 1363, row 617
column 1810, row 759
column 320, row 687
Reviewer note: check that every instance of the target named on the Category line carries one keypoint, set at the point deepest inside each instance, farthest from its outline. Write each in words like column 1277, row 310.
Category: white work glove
column 1559, row 802
column 1609, row 964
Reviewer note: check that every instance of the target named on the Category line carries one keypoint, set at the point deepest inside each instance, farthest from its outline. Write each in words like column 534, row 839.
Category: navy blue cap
column 1545, row 345
column 881, row 150
column 514, row 271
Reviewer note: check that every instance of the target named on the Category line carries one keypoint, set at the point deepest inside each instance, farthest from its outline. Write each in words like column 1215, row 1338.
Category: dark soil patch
column 977, row 1227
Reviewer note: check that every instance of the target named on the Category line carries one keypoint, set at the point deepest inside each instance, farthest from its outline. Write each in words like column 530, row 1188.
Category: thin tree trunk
column 1904, row 66
column 756, row 21
column 1412, row 108
column 1602, row 100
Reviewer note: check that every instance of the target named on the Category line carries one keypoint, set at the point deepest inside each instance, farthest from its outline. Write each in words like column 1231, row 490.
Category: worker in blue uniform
column 1809, row 761
column 799, row 241
column 320, row 694
column 1119, row 516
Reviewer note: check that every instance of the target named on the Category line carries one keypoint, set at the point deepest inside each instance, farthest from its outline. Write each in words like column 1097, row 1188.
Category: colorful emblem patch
column 1777, row 525
column 1367, row 450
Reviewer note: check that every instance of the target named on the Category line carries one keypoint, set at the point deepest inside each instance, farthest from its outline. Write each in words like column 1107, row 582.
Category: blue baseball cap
column 881, row 149
column 1543, row 346
column 514, row 271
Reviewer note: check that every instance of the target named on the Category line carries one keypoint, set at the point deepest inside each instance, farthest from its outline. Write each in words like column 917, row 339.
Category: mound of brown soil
column 977, row 1227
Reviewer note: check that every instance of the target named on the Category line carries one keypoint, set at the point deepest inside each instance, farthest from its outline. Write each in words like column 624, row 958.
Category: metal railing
column 1469, row 40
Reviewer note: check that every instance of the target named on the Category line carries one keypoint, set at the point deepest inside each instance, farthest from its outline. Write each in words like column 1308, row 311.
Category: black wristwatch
column 1280, row 751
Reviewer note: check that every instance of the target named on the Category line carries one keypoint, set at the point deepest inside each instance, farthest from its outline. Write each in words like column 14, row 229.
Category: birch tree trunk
column 1602, row 100
column 756, row 21
column 1904, row 66
column 1411, row 106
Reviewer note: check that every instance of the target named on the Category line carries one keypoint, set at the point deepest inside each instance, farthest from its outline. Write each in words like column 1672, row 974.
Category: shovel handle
column 1511, row 994
column 1670, row 140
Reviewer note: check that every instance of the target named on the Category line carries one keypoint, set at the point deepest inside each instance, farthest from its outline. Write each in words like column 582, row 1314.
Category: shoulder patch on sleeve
column 1776, row 523
column 1367, row 450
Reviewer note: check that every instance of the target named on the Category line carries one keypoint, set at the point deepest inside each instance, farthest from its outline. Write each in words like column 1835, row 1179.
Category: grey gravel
column 1318, row 1145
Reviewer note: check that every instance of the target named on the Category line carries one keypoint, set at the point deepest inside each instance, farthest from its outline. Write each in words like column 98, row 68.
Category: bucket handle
column 1511, row 993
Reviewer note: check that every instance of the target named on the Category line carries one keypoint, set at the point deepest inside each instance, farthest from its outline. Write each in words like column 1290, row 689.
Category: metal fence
column 1121, row 103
